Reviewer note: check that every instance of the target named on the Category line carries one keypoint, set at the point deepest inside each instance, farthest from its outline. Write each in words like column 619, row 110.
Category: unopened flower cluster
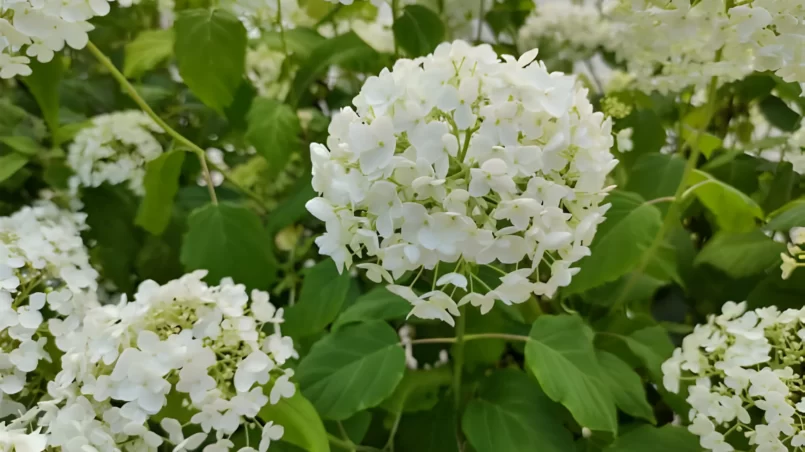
column 42, row 262
column 795, row 258
column 459, row 157
column 691, row 42
column 578, row 30
column 37, row 29
column 114, row 150
column 745, row 376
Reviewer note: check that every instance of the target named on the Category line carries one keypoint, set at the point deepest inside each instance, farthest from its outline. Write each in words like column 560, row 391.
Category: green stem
column 458, row 360
column 675, row 207
column 481, row 10
column 394, row 10
column 282, row 28
column 470, row 337
column 106, row 62
column 349, row 445
column 329, row 16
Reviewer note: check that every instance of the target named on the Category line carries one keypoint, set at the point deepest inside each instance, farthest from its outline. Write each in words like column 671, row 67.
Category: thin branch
column 200, row 153
column 470, row 337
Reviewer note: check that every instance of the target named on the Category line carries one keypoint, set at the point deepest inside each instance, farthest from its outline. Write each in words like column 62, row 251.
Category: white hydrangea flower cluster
column 796, row 255
column 375, row 31
column 578, row 30
column 43, row 262
column 195, row 344
column 459, row 157
column 114, row 150
column 37, row 29
column 264, row 68
column 691, row 42
column 745, row 371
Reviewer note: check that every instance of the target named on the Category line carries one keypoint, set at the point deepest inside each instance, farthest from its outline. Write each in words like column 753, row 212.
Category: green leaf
column 778, row 292
column 352, row 369
column 418, row 30
column 668, row 438
column 620, row 242
column 740, row 255
column 626, row 387
column 418, row 390
column 292, row 209
column 429, row 431
column 44, row 86
column 512, row 414
column 110, row 216
column 656, row 175
column 787, row 217
column 377, row 304
column 347, row 50
column 652, row 346
column 303, row 426
column 323, row 293
column 23, row 145
column 274, row 131
column 649, row 134
column 781, row 187
column 779, row 114
column 300, row 41
column 560, row 354
column 228, row 241
column 161, row 184
column 147, row 51
column 211, row 54
column 10, row 164
column 733, row 210
column 355, row 428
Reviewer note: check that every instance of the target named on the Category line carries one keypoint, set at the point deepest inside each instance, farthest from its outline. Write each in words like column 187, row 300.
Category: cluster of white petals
column 375, row 30
column 462, row 158
column 578, row 30
column 202, row 350
column 742, row 372
column 264, row 69
column 37, row 29
column 43, row 263
column 669, row 45
column 114, row 150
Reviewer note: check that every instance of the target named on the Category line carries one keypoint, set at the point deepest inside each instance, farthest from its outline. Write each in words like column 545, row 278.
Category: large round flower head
column 462, row 158
column 114, row 149
column 43, row 262
column 744, row 371
column 197, row 344
column 37, row 29
column 577, row 31
column 691, row 42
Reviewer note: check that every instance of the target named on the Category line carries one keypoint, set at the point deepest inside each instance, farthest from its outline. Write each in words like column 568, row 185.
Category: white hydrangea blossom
column 37, row 29
column 578, row 30
column 43, row 262
column 375, row 31
column 114, row 149
column 744, row 370
column 795, row 258
column 691, row 42
column 198, row 344
column 462, row 158
column 264, row 68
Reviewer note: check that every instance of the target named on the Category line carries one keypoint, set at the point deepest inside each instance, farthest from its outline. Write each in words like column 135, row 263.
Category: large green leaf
column 429, row 431
column 147, row 51
column 512, row 414
column 323, row 293
column 347, row 50
column 626, row 386
column 733, row 210
column 652, row 346
column 210, row 51
column 560, row 354
column 352, row 369
column 161, row 184
column 44, row 86
column 274, row 131
column 620, row 243
column 300, row 41
column 377, row 304
column 788, row 216
column 418, row 390
column 228, row 241
column 418, row 30
column 781, row 187
column 24, row 145
column 668, row 438
column 10, row 164
column 303, row 426
column 656, row 176
column 779, row 114
column 740, row 255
